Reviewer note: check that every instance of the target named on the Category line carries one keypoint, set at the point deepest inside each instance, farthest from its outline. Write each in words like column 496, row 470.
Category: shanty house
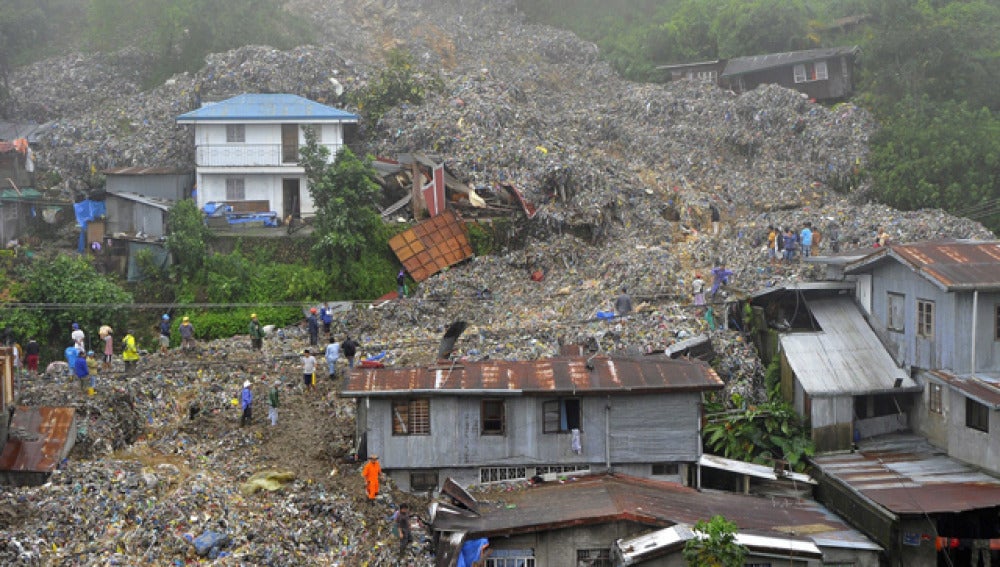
column 936, row 304
column 834, row 370
column 247, row 150
column 492, row 421
column 822, row 74
column 623, row 520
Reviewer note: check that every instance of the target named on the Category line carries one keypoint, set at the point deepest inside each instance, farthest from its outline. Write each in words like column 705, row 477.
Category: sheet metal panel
column 432, row 246
column 845, row 357
column 562, row 374
column 39, row 438
column 983, row 391
column 906, row 475
column 749, row 64
column 951, row 264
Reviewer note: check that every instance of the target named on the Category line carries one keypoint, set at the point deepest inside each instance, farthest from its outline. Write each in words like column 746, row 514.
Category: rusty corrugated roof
column 432, row 246
column 980, row 390
column 953, row 265
column 38, row 438
column 906, row 475
column 603, row 498
column 561, row 374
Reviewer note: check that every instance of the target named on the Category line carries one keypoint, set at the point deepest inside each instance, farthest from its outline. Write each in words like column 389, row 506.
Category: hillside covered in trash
column 621, row 176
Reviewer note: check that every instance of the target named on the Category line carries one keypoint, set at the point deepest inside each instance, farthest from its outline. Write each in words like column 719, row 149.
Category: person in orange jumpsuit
column 371, row 472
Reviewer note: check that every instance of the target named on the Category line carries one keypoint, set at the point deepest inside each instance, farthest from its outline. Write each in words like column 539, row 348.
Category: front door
column 291, row 201
column 289, row 143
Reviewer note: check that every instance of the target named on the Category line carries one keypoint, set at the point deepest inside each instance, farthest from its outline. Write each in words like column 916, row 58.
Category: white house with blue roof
column 247, row 150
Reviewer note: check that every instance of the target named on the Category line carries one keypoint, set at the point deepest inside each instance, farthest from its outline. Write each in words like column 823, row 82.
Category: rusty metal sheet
column 906, row 475
column 979, row 390
column 952, row 264
column 39, row 436
column 602, row 498
column 562, row 374
column 432, row 246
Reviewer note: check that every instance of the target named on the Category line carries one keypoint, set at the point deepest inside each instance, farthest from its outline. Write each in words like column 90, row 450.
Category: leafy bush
column 231, row 322
column 398, row 83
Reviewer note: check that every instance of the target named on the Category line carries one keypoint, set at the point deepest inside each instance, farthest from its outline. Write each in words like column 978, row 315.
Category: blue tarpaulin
column 471, row 552
column 87, row 211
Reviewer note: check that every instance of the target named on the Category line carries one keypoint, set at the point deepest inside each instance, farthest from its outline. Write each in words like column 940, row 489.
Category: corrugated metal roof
column 982, row 389
column 432, row 246
column 39, row 438
column 656, row 544
column 10, row 131
column 845, row 357
column 750, row 469
column 161, row 204
column 952, row 265
column 136, row 170
column 743, row 65
column 906, row 475
column 602, row 498
column 562, row 374
column 263, row 107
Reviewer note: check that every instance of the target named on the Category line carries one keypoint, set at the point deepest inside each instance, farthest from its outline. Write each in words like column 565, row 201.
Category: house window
column 511, row 558
column 996, row 323
column 809, row 72
column 925, row 319
column 934, row 402
column 977, row 415
column 236, row 133
column 490, row 475
column 757, row 564
column 492, row 417
column 423, row 480
column 236, row 189
column 665, row 469
column 559, row 469
column 411, row 417
column 895, row 308
column 561, row 416
column 593, row 558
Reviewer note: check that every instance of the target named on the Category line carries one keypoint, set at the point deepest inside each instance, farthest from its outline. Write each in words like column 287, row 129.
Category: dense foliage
column 398, row 82
column 717, row 546
column 926, row 70
column 75, row 293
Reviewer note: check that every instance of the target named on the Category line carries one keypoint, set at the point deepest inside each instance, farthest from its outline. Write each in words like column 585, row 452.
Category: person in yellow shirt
column 130, row 355
column 94, row 366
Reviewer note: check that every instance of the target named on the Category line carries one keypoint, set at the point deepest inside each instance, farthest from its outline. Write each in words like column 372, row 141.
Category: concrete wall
column 266, row 187
column 261, row 145
column 968, row 444
column 933, row 426
column 558, row 548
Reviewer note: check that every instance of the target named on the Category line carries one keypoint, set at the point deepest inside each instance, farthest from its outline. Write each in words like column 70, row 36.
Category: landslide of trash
column 621, row 174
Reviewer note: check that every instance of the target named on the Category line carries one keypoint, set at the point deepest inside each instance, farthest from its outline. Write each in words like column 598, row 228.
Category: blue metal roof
column 261, row 107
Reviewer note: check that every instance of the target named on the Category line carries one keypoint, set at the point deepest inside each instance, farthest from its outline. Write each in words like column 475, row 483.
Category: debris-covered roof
column 983, row 389
column 602, row 498
column 266, row 107
column 906, row 475
column 577, row 374
column 952, row 265
column 639, row 549
column 843, row 356
column 39, row 438
column 432, row 246
column 752, row 63
column 10, row 130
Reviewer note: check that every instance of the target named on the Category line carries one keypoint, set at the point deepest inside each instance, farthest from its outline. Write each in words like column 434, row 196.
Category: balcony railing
column 253, row 155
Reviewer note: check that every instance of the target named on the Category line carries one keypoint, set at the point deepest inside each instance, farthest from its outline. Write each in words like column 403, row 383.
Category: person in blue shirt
column 81, row 370
column 164, row 333
column 313, row 324
column 332, row 355
column 806, row 239
column 246, row 403
column 326, row 316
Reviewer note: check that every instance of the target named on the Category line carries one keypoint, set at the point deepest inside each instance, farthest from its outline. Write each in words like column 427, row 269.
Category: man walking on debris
column 164, row 333
column 350, row 348
column 401, row 284
column 31, row 351
column 187, row 334
column 129, row 355
column 308, row 368
column 107, row 335
column 789, row 244
column 371, row 472
column 78, row 338
column 332, row 354
column 312, row 324
column 256, row 333
column 402, row 519
column 623, row 305
column 81, row 370
column 246, row 404
column 720, row 277
column 716, row 218
column 698, row 286
column 806, row 240
column 326, row 315
column 273, row 402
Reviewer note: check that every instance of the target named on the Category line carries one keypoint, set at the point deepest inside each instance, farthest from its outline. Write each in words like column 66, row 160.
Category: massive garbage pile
column 622, row 174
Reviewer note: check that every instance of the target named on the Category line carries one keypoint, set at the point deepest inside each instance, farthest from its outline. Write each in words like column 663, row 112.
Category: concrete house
column 623, row 520
column 822, row 74
column 247, row 150
column 493, row 421
column 937, row 306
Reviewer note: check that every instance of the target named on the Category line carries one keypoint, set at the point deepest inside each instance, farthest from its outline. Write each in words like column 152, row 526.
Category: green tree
column 398, row 82
column 761, row 26
column 188, row 239
column 344, row 196
column 714, row 545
